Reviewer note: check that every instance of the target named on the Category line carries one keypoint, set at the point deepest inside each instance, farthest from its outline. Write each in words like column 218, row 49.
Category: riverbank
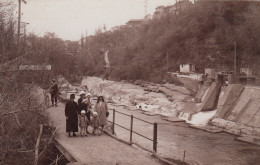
column 173, row 137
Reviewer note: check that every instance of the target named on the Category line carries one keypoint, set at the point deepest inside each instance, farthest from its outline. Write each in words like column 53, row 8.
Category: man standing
column 54, row 90
column 71, row 113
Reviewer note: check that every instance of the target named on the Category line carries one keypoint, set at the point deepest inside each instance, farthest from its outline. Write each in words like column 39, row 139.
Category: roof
column 134, row 21
column 160, row 7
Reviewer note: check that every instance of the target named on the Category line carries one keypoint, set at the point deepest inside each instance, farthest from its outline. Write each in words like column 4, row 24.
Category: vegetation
column 204, row 35
column 20, row 104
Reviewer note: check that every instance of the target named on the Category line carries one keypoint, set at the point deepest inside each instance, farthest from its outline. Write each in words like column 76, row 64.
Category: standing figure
column 71, row 113
column 81, row 104
column 102, row 110
column 95, row 123
column 83, row 123
column 54, row 90
column 87, row 101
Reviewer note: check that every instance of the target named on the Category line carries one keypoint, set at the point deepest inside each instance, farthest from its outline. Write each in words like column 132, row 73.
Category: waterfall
column 106, row 59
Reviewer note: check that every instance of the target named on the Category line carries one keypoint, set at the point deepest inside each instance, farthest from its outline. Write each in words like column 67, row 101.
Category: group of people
column 81, row 115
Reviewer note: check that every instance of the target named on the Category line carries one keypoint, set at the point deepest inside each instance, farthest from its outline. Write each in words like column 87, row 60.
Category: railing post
column 155, row 137
column 131, row 128
column 114, row 113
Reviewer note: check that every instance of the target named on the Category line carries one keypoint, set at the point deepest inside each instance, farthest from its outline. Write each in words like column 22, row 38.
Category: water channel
column 200, row 147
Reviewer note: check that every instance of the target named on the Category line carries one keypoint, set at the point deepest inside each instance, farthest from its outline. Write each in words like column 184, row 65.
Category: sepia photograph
column 129, row 82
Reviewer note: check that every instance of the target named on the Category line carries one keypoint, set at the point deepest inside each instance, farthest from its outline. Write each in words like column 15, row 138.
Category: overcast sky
column 70, row 18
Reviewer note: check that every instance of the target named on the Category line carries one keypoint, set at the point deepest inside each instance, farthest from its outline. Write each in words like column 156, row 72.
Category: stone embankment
column 233, row 108
column 169, row 90
column 238, row 110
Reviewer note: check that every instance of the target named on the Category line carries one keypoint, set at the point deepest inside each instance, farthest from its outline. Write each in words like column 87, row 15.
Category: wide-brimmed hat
column 82, row 93
column 88, row 94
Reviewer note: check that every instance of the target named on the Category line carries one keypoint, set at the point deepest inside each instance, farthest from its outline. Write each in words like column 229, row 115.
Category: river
column 200, row 147
column 174, row 138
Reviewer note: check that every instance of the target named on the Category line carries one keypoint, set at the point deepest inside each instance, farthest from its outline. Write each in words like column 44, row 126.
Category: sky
column 69, row 19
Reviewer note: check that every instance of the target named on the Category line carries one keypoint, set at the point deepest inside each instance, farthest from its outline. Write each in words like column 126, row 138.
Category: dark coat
column 54, row 88
column 71, row 111
column 84, row 106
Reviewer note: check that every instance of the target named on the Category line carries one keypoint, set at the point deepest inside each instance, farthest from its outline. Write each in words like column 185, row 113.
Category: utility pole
column 24, row 33
column 19, row 24
column 235, row 61
column 167, row 62
column 145, row 7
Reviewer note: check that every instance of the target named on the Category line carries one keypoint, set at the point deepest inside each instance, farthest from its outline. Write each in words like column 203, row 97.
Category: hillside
column 203, row 35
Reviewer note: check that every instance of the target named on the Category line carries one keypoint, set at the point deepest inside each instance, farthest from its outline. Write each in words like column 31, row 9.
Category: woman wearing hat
column 102, row 109
column 71, row 113
column 84, row 103
column 81, row 104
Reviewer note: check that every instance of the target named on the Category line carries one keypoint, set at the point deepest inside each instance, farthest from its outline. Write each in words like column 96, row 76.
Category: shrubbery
column 203, row 35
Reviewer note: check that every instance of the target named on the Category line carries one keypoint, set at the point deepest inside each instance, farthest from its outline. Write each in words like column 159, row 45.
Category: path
column 97, row 149
column 173, row 138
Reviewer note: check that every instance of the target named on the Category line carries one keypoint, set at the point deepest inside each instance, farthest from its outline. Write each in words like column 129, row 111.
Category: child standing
column 83, row 123
column 95, row 123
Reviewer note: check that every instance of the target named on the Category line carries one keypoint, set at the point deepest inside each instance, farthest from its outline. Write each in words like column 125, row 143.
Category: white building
column 187, row 68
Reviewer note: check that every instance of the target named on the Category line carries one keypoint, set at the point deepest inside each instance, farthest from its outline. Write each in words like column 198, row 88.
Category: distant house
column 159, row 11
column 183, row 5
column 210, row 72
column 117, row 27
column 134, row 22
column 247, row 71
column 187, row 68
column 171, row 9
column 179, row 6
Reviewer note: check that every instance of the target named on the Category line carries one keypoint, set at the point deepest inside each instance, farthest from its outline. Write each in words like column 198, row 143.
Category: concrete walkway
column 96, row 149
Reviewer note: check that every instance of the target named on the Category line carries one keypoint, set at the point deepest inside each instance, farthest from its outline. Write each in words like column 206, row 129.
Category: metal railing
column 154, row 139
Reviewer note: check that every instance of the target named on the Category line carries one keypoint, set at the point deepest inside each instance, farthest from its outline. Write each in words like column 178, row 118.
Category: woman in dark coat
column 71, row 113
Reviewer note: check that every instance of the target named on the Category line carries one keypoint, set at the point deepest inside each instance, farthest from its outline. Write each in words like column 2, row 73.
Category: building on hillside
column 247, row 71
column 171, row 9
column 182, row 5
column 210, row 72
column 117, row 27
column 217, row 1
column 179, row 6
column 159, row 11
column 134, row 22
column 187, row 68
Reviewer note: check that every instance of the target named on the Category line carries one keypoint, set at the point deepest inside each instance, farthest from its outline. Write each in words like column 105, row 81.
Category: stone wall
column 210, row 100
column 238, row 110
